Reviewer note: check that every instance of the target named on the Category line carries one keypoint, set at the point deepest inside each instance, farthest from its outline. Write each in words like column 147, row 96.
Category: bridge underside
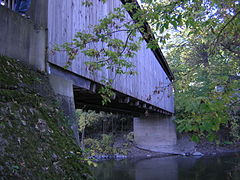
column 153, row 127
column 86, row 99
column 86, row 96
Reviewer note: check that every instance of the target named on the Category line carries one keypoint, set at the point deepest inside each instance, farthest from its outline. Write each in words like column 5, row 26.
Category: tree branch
column 220, row 32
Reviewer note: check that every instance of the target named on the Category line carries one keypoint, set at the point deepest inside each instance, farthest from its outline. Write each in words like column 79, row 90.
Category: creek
column 220, row 167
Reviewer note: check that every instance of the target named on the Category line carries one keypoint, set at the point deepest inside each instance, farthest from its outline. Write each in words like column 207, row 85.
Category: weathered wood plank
column 66, row 17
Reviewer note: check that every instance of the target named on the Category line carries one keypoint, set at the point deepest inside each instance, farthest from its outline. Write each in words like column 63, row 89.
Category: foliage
column 205, row 60
column 130, row 136
column 86, row 119
column 102, row 146
column 91, row 122
column 106, row 91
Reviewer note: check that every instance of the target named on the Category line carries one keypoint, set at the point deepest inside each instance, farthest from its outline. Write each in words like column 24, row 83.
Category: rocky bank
column 35, row 142
column 184, row 147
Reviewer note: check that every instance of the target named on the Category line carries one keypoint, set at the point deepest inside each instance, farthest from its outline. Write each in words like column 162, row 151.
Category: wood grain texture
column 66, row 17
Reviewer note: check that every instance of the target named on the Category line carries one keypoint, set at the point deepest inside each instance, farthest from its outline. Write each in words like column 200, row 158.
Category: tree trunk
column 82, row 139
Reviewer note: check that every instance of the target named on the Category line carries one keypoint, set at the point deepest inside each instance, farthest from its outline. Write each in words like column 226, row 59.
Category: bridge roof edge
column 157, row 52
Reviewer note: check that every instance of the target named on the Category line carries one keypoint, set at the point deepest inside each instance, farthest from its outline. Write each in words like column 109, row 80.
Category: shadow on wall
column 24, row 39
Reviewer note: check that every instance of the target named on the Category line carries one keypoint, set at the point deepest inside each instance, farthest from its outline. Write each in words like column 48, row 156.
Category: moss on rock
column 35, row 143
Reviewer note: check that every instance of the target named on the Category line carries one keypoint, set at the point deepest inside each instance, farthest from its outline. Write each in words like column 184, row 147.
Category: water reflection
column 164, row 168
column 171, row 168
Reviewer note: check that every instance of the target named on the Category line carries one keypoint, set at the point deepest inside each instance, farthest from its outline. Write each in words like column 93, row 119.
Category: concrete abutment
column 155, row 132
column 64, row 90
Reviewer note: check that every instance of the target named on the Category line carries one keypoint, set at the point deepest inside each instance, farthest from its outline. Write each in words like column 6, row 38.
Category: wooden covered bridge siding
column 66, row 17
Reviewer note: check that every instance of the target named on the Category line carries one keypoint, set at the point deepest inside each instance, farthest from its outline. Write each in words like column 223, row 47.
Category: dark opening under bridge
column 55, row 22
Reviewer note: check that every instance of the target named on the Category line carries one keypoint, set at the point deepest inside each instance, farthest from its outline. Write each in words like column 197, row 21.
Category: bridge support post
column 64, row 90
column 155, row 132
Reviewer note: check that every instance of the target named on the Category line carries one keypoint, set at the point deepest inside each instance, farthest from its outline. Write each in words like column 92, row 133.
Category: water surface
column 224, row 167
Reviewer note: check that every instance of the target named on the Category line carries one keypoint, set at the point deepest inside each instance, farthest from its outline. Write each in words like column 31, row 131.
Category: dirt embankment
column 35, row 142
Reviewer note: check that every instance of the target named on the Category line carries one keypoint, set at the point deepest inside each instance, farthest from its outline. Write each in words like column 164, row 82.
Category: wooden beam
column 93, row 87
column 105, row 108
column 113, row 97
column 120, row 100
column 137, row 103
column 144, row 105
column 126, row 100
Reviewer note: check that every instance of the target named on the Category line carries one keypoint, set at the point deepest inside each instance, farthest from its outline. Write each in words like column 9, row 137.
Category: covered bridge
column 148, row 95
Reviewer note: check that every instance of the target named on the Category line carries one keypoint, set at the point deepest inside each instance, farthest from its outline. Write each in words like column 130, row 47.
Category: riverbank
column 208, row 148
column 35, row 141
column 184, row 147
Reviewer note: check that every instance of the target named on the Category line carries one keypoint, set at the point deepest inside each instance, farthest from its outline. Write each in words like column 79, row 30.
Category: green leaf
column 211, row 137
column 195, row 138
column 174, row 23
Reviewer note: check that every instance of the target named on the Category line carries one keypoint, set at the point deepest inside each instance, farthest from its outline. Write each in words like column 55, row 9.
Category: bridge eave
column 150, row 37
